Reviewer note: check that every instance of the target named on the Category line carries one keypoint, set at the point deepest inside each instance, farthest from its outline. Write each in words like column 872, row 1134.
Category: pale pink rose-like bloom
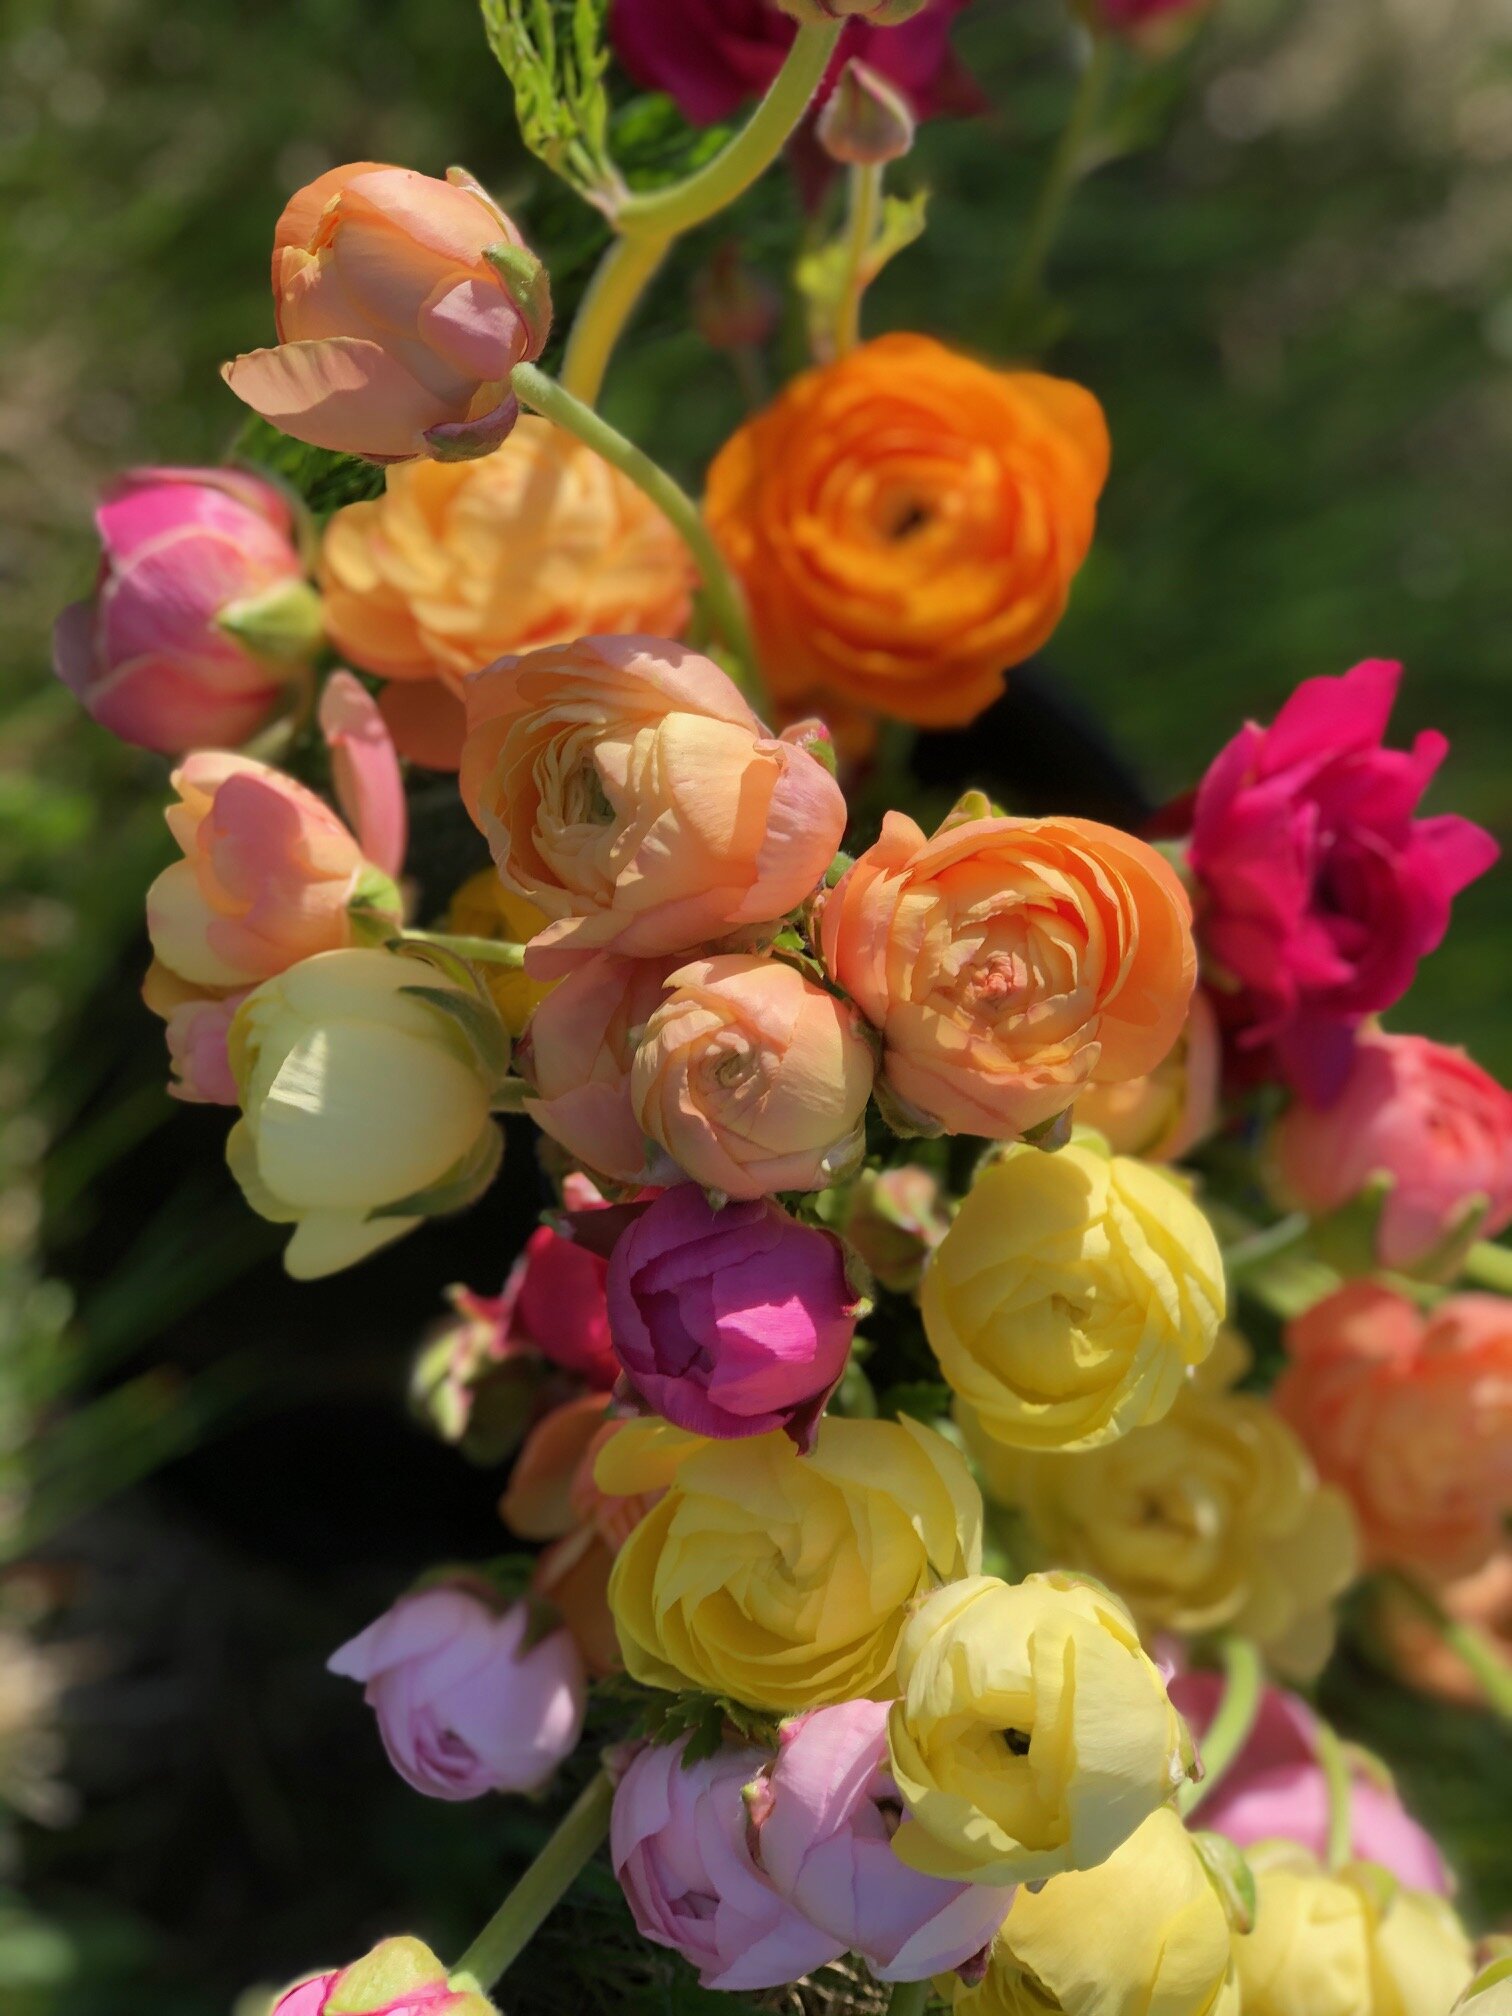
column 463, row 1706
column 1425, row 1116
column 402, row 305
column 824, row 1815
column 147, row 654
column 678, row 1840
column 626, row 789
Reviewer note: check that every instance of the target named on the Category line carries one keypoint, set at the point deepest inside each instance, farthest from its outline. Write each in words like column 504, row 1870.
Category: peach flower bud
column 865, row 121
column 625, row 787
column 1008, row 963
column 402, row 304
column 1165, row 1113
column 753, row 1078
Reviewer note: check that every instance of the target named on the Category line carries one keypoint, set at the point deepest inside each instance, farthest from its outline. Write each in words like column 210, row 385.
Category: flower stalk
column 1068, row 165
column 1471, row 1645
column 543, row 1886
column 1340, row 1796
column 865, row 209
column 1231, row 1726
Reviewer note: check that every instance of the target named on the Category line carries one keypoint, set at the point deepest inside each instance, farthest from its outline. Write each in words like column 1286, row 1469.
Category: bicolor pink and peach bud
column 400, row 1977
column 402, row 303
column 202, row 622
column 866, row 121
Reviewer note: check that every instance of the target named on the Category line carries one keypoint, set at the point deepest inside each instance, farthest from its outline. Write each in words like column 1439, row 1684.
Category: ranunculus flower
column 822, row 1818
column 466, row 1704
column 1071, row 1296
column 784, row 1580
column 753, row 1077
column 201, row 620
column 678, row 1841
column 553, row 1302
column 625, row 787
column 1031, row 1733
column 711, row 55
column 1319, row 889
column 1275, row 1789
column 1165, row 1113
column 459, row 563
column 731, row 1322
column 484, row 908
column 1409, row 1413
column 907, row 524
column 1424, row 1119
column 365, row 774
column 1008, row 963
column 400, row 1977
column 1211, row 1519
column 1347, row 1942
column 402, row 305
column 365, row 1105
column 895, row 1218
column 1145, row 1933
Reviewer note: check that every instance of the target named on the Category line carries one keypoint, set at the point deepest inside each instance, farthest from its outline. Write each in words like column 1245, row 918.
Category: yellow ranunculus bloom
column 360, row 1095
column 484, row 908
column 1143, row 1934
column 1071, row 1295
column 1212, row 1518
column 1351, row 1942
column 783, row 1580
column 1032, row 1733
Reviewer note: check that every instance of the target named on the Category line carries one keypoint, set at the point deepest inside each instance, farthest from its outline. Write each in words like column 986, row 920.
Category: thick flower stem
column 725, row 604
column 1490, row 1266
column 908, row 1998
column 1231, row 1726
column 1472, row 1646
column 486, row 951
column 1067, row 166
column 1340, row 1796
column 542, row 1887
column 624, row 273
column 865, row 208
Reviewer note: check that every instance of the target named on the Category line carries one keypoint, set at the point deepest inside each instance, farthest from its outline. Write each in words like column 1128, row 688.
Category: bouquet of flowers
column 888, row 1473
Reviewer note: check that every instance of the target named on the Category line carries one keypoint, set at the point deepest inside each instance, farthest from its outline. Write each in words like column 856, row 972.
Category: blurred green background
column 1290, row 282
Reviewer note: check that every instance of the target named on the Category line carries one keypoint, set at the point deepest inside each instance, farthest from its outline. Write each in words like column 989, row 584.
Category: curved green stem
column 624, row 273
column 542, row 1887
column 1490, row 1265
column 1340, row 1796
column 1231, row 1726
column 908, row 1998
column 1472, row 1646
column 1269, row 1243
column 486, row 951
column 726, row 605
column 865, row 208
column 1067, row 166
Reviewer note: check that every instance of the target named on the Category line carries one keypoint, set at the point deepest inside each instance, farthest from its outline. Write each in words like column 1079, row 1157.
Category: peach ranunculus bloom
column 1410, row 1413
column 753, row 1078
column 402, row 303
column 626, row 789
column 1163, row 1114
column 459, row 563
column 907, row 524
column 1008, row 963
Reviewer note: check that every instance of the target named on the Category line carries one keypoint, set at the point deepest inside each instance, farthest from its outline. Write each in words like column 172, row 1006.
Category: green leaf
column 553, row 53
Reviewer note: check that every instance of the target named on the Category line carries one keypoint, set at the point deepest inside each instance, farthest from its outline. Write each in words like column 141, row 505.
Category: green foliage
column 709, row 1721
column 323, row 479
column 553, row 53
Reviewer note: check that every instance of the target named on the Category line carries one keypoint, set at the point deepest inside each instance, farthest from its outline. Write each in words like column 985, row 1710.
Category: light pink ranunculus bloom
column 823, row 1818
column 402, row 304
column 1276, row 1789
column 400, row 1977
column 464, row 1706
column 365, row 773
column 153, row 654
column 678, row 1840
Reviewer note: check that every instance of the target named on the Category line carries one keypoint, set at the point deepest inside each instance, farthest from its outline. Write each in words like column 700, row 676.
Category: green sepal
column 462, row 1185
column 286, row 624
column 527, row 284
column 1051, row 1134
column 1231, row 1876
column 375, row 908
column 905, row 1120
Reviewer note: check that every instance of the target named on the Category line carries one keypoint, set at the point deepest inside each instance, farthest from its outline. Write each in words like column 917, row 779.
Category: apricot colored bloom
column 402, row 305
column 576, row 1055
column 484, row 908
column 1163, row 1114
column 626, row 789
column 1007, row 963
column 783, row 1580
column 1071, row 1296
column 1410, row 1413
column 1031, row 1732
column 907, row 524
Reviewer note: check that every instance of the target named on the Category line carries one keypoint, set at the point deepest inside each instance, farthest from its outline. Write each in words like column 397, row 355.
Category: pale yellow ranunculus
column 1071, row 1295
column 1145, row 1933
column 1032, row 1733
column 783, row 1580
column 365, row 1080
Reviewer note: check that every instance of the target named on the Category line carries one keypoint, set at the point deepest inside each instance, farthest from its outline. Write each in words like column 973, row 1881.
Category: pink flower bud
column 465, row 1704
column 400, row 1977
column 865, row 122
column 734, row 306
column 895, row 1218
column 730, row 1322
column 403, row 303
column 201, row 616
column 823, row 1830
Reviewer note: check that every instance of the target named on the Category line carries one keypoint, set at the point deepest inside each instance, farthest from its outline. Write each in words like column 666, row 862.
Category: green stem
column 908, row 1998
column 1490, row 1266
column 1067, row 166
column 1267, row 1244
column 1340, row 1796
column 624, row 273
column 726, row 605
column 1231, row 1726
column 542, row 1887
column 865, row 207
column 487, row 951
column 1471, row 1645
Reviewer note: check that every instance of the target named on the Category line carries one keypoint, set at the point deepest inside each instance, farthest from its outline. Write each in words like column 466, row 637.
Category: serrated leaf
column 555, row 55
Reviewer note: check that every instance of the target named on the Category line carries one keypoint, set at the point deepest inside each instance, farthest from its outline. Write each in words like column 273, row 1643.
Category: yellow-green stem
column 624, row 273
column 1230, row 1728
column 908, row 1998
column 486, row 951
column 1490, row 1266
column 865, row 208
column 1470, row 1645
column 1340, row 1796
column 1067, row 166
column 542, row 1887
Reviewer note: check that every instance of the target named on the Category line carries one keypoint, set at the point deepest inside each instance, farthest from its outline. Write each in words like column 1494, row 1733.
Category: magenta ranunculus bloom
column 681, row 1850
column 713, row 55
column 553, row 1302
column 823, row 1817
column 1275, row 1789
column 1319, row 891
column 148, row 653
column 464, row 1705
column 730, row 1322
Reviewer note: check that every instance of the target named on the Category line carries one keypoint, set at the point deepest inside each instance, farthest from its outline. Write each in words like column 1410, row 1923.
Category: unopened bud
column 895, row 1218
column 865, row 121
column 734, row 308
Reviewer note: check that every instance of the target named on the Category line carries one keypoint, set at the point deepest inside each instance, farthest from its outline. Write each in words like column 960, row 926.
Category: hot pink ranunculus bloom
column 1319, row 888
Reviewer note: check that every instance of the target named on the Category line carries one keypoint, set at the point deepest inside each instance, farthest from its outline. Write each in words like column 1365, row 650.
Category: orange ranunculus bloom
column 1009, row 962
column 907, row 523
column 1410, row 1413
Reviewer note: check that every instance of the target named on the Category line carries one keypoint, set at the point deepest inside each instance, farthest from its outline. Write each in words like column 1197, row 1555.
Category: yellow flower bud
column 1070, row 1296
column 1032, row 1735
column 484, row 908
